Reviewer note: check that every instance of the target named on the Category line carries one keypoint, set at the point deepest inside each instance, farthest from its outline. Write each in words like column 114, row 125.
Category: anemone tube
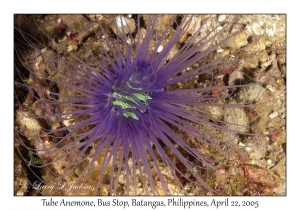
column 118, row 114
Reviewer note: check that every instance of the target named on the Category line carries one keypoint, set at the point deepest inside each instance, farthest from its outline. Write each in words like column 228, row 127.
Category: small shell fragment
column 273, row 115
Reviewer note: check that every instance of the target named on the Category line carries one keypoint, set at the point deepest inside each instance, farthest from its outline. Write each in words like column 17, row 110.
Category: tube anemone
column 129, row 110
